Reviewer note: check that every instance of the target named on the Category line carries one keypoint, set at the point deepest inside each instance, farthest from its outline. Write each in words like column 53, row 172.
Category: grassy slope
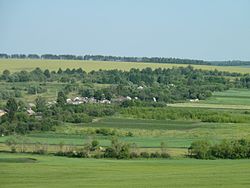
column 26, row 64
column 66, row 172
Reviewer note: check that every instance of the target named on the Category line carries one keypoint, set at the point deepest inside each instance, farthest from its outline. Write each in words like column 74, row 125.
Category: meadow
column 29, row 64
column 47, row 171
column 229, row 99
column 147, row 135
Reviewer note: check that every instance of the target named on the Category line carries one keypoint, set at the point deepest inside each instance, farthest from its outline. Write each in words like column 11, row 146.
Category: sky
column 193, row 29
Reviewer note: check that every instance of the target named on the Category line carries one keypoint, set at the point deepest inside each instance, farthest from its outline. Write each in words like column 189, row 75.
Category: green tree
column 40, row 104
column 61, row 98
column 6, row 74
column 11, row 107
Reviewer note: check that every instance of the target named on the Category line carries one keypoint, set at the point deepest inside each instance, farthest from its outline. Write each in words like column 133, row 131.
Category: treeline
column 174, row 113
column 126, row 59
column 230, row 63
column 227, row 149
column 44, row 56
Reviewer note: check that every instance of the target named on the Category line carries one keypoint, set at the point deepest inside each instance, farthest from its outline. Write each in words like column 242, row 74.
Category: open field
column 50, row 171
column 146, row 133
column 230, row 99
column 26, row 64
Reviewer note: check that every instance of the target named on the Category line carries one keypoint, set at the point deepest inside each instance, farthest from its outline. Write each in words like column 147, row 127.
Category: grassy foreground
column 29, row 64
column 49, row 171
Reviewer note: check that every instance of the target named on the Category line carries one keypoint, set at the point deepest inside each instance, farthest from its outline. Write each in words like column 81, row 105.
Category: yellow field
column 26, row 64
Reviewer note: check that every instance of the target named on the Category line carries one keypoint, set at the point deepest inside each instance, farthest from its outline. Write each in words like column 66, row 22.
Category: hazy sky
column 198, row 29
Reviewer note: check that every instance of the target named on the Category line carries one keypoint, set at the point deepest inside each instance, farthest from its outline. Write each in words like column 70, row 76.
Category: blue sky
column 197, row 29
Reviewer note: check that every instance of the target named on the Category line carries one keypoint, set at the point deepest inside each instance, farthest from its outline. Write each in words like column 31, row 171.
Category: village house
column 194, row 100
column 2, row 112
column 30, row 112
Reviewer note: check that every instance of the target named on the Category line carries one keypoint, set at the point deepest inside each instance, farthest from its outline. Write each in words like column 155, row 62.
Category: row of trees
column 127, row 59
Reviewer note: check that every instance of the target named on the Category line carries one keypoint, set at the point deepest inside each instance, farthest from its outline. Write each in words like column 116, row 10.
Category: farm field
column 229, row 99
column 19, row 170
column 147, row 134
column 26, row 64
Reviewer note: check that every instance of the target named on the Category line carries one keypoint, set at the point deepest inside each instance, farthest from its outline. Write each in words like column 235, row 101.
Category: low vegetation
column 227, row 149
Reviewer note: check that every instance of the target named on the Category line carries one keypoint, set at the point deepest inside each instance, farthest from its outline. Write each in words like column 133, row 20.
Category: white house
column 2, row 112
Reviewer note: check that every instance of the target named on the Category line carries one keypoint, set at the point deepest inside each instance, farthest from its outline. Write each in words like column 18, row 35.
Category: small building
column 31, row 112
column 2, row 112
column 194, row 100
column 69, row 101
column 77, row 99
column 129, row 98
column 105, row 101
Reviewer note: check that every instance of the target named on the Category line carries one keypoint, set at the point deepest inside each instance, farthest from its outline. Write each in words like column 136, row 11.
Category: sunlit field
column 27, row 64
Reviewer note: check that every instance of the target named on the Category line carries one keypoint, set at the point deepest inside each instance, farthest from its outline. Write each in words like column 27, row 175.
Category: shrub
column 165, row 155
column 134, row 155
column 106, row 132
column 155, row 155
column 200, row 149
column 144, row 155
column 40, row 148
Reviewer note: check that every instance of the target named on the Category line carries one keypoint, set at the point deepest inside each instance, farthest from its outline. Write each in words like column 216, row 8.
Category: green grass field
column 229, row 99
column 25, row 64
column 52, row 172
column 146, row 133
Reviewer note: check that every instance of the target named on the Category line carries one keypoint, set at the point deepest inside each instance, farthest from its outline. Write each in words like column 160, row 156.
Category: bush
column 144, row 155
column 106, row 132
column 227, row 149
column 110, row 153
column 117, row 150
column 134, row 155
column 155, row 155
column 200, row 149
column 165, row 155
column 40, row 148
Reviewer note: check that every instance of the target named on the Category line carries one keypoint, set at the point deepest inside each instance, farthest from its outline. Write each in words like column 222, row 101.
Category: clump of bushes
column 106, row 132
column 227, row 149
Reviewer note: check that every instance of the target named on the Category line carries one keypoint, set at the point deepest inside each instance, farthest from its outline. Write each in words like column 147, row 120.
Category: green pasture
column 34, row 171
column 230, row 99
column 29, row 64
column 145, row 133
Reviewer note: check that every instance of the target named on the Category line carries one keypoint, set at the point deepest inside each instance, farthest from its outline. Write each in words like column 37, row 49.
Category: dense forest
column 126, row 59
